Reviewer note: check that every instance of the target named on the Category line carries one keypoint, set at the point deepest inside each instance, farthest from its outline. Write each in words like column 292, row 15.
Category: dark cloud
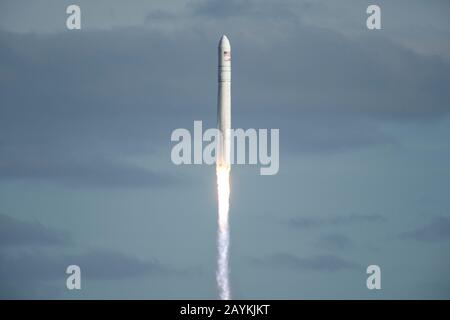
column 160, row 15
column 321, row 140
column 33, row 274
column 316, row 222
column 14, row 232
column 222, row 9
column 78, row 123
column 29, row 260
column 242, row 9
column 335, row 242
column 317, row 263
column 91, row 174
column 437, row 230
column 99, row 264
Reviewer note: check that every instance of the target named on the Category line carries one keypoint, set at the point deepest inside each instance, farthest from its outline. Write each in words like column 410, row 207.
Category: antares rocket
column 224, row 103
column 223, row 165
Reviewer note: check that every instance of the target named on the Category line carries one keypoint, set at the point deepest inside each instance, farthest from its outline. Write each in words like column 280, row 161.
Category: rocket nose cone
column 224, row 43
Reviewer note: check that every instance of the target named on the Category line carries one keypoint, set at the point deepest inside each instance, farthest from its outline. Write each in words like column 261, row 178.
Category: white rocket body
column 224, row 103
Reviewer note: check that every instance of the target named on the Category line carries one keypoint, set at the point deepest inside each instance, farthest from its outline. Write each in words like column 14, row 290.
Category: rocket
column 224, row 103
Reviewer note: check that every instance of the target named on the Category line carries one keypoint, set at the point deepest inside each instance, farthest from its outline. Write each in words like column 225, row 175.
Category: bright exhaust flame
column 223, row 236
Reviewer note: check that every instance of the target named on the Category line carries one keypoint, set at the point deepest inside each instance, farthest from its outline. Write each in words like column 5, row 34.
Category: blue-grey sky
column 85, row 170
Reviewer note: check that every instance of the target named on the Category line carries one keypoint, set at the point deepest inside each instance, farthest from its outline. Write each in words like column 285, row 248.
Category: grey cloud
column 93, row 174
column 329, row 263
column 96, row 264
column 221, row 9
column 335, row 242
column 321, row 72
column 30, row 260
column 15, row 232
column 31, row 274
column 316, row 222
column 357, row 218
column 242, row 9
column 76, row 123
column 437, row 230
column 160, row 15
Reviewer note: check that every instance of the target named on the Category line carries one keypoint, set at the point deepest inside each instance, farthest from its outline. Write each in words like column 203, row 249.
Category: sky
column 86, row 176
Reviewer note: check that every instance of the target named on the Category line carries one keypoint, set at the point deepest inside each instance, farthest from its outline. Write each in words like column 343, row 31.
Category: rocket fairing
column 224, row 103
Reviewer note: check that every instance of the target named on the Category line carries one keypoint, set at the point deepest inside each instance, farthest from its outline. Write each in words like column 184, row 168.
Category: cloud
column 103, row 173
column 437, row 230
column 318, row 222
column 217, row 9
column 14, row 232
column 34, row 257
column 82, row 132
column 329, row 263
column 222, row 9
column 40, row 274
column 335, row 242
column 97, row 264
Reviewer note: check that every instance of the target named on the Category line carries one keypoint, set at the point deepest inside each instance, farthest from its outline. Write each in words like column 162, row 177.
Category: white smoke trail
column 223, row 236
